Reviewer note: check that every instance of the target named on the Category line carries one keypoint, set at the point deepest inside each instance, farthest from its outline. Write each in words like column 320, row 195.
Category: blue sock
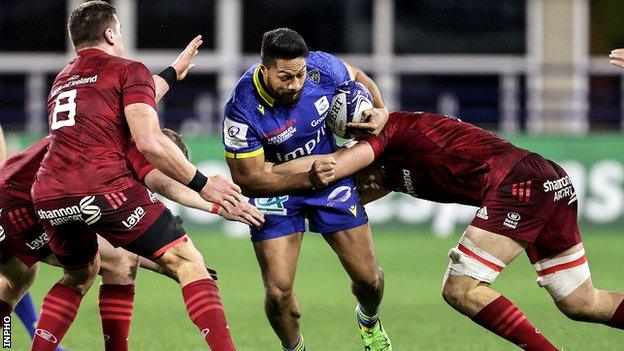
column 25, row 310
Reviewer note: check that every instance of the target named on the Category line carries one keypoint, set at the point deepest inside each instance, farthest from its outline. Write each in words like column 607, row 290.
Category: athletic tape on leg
column 562, row 275
column 469, row 260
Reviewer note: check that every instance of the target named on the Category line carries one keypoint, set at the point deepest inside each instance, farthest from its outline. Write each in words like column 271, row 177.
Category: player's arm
column 159, row 183
column 178, row 70
column 3, row 147
column 370, row 195
column 344, row 162
column 375, row 118
column 250, row 175
column 616, row 57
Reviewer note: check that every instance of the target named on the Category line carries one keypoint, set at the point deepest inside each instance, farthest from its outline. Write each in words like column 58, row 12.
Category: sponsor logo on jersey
column 315, row 75
column 283, row 136
column 134, row 218
column 306, row 149
column 152, row 196
column 562, row 188
column 322, row 105
column 73, row 83
column 39, row 242
column 512, row 220
column 261, row 108
column 407, row 182
column 340, row 194
column 44, row 334
column 87, row 208
column 353, row 210
column 318, row 121
column 482, row 213
column 272, row 205
column 60, row 216
column 234, row 134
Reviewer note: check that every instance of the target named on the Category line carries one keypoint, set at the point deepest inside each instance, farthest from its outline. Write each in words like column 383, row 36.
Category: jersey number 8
column 68, row 107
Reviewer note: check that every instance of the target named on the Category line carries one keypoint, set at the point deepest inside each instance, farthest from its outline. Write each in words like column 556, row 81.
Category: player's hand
column 374, row 121
column 221, row 191
column 616, row 58
column 322, row 172
column 244, row 213
column 184, row 62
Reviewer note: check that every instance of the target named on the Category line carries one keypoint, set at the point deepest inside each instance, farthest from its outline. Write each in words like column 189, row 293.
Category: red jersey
column 89, row 136
column 442, row 159
column 17, row 174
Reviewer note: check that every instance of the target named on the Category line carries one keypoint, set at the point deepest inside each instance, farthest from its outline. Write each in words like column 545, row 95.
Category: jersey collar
column 261, row 89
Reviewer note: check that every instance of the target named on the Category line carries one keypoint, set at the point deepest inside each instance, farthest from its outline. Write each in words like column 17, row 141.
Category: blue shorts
column 328, row 210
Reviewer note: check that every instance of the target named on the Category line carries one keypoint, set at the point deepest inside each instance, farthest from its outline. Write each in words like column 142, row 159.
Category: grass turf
column 413, row 311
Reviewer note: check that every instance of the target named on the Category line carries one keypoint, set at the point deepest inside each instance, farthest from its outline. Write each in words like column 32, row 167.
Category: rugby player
column 277, row 113
column 527, row 203
column 83, row 187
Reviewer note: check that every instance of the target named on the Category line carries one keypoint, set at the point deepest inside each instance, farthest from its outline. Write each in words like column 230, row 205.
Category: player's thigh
column 356, row 252
column 18, row 275
column 277, row 259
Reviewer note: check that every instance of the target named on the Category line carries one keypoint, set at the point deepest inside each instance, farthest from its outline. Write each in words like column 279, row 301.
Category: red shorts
column 535, row 203
column 132, row 218
column 21, row 234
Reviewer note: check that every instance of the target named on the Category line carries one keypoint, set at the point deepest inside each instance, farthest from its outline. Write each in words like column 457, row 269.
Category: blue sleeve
column 332, row 66
column 239, row 137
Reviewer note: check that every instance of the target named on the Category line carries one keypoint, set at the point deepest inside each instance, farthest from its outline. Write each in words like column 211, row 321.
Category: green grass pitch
column 413, row 311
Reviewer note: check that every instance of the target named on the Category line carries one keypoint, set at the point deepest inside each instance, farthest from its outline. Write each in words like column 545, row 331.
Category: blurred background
column 535, row 70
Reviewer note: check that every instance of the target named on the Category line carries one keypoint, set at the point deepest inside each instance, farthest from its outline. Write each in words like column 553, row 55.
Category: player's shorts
column 21, row 234
column 332, row 209
column 132, row 218
column 535, row 203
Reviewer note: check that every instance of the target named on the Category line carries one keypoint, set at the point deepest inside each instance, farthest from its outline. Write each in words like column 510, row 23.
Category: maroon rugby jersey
column 442, row 159
column 17, row 174
column 89, row 136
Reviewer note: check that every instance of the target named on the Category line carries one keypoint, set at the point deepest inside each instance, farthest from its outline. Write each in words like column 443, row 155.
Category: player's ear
column 109, row 36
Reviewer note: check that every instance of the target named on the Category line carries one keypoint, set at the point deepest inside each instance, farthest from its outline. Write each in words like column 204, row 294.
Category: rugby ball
column 350, row 99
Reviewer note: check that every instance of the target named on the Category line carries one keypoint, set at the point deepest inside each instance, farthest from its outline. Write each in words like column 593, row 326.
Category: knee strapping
column 469, row 260
column 562, row 275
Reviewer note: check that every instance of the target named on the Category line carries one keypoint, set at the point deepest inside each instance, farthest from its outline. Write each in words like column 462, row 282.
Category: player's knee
column 279, row 294
column 182, row 256
column 373, row 282
column 122, row 266
column 455, row 291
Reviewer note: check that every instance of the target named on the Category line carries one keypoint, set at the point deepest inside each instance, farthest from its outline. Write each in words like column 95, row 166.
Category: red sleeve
column 139, row 164
column 137, row 85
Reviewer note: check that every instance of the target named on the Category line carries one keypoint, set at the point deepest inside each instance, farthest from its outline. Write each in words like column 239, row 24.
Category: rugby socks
column 25, row 310
column 502, row 317
column 204, row 306
column 116, row 303
column 299, row 347
column 617, row 321
column 364, row 320
column 58, row 312
column 5, row 309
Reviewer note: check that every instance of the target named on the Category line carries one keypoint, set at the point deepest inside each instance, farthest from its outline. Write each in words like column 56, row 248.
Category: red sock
column 617, row 321
column 502, row 317
column 116, row 303
column 203, row 304
column 5, row 309
column 58, row 312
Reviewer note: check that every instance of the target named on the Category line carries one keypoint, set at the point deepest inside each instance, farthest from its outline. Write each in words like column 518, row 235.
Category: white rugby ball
column 350, row 100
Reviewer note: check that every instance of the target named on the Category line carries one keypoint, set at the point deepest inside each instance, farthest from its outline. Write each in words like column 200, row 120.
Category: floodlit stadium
column 535, row 72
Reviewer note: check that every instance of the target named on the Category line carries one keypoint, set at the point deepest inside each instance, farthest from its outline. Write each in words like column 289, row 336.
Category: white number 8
column 69, row 107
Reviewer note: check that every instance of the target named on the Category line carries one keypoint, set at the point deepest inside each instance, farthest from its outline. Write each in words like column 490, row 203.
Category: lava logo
column 92, row 211
column 39, row 242
column 44, row 334
column 134, row 218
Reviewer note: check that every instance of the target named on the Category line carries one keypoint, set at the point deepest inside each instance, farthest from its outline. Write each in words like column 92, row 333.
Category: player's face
column 285, row 79
column 369, row 178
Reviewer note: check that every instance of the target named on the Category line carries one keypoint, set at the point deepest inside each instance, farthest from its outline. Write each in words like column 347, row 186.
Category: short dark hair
column 282, row 43
column 88, row 21
column 177, row 139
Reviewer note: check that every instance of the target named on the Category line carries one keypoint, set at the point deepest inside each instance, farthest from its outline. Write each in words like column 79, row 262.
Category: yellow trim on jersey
column 260, row 88
column 249, row 154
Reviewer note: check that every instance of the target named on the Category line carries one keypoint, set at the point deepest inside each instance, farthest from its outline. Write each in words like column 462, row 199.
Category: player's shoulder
column 243, row 101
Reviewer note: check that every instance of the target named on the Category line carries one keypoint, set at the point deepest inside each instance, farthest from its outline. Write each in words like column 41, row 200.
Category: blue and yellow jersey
column 253, row 124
